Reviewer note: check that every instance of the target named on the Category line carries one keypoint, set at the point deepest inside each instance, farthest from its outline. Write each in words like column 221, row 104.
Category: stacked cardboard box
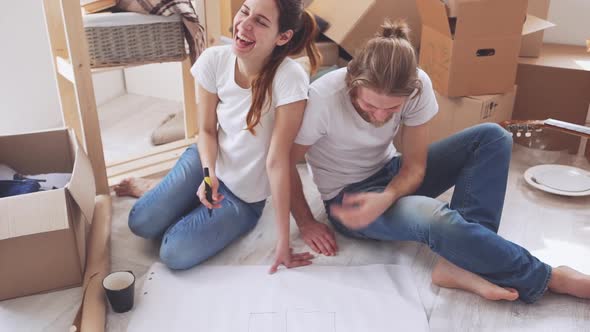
column 473, row 54
column 456, row 114
column 468, row 55
column 42, row 234
column 472, row 59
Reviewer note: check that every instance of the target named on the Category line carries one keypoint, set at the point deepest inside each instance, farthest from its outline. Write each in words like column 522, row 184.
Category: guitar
column 529, row 127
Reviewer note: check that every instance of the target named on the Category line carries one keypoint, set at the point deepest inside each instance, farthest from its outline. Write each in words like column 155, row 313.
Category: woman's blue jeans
column 476, row 162
column 173, row 211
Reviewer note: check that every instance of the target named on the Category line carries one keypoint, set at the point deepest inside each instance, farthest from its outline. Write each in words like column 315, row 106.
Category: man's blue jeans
column 173, row 211
column 476, row 162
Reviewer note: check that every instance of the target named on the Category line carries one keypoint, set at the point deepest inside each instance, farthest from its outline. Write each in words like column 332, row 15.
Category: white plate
column 559, row 179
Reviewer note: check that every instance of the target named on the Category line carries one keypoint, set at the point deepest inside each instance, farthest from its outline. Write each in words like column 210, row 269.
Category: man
column 370, row 192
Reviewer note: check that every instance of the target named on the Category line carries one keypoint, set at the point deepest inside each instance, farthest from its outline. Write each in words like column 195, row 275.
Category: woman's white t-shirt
column 241, row 160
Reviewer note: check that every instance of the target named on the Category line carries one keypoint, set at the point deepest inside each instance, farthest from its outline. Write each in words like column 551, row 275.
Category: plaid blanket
column 193, row 30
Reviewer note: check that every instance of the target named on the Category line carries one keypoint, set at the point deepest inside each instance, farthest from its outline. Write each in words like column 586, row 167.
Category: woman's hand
column 285, row 256
column 217, row 197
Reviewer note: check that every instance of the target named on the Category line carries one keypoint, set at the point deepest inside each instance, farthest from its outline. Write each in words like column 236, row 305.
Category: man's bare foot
column 565, row 280
column 134, row 187
column 449, row 275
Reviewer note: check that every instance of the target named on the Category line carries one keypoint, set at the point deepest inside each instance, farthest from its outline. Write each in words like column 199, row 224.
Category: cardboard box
column 458, row 113
column 42, row 234
column 481, row 56
column 531, row 44
column 352, row 23
column 555, row 85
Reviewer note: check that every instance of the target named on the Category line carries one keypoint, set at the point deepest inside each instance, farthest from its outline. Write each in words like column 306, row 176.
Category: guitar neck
column 568, row 128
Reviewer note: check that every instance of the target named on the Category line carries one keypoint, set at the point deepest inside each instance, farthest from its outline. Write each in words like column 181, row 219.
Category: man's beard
column 367, row 116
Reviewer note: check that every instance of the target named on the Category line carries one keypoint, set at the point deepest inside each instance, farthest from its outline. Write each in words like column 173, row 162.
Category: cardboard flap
column 37, row 152
column 534, row 24
column 490, row 19
column 82, row 186
column 434, row 15
column 341, row 16
column 33, row 213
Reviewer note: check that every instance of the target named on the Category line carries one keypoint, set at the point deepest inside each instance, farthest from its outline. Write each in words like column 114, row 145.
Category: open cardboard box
column 531, row 43
column 43, row 234
column 352, row 23
column 479, row 54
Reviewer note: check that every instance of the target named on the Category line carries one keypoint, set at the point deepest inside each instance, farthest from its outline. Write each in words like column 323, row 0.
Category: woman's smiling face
column 256, row 29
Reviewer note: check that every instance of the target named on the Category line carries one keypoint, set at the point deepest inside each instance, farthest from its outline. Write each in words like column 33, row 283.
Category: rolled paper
column 91, row 316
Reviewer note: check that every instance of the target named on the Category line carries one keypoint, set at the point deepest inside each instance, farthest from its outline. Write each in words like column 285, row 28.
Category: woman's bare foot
column 134, row 187
column 448, row 275
column 565, row 280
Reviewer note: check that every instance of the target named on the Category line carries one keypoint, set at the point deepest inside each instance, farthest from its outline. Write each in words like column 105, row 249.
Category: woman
column 251, row 103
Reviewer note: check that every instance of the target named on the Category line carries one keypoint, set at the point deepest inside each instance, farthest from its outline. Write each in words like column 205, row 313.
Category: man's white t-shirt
column 241, row 160
column 346, row 149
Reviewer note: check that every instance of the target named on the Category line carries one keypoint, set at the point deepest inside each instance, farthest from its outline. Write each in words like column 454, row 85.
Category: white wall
column 158, row 80
column 573, row 22
column 28, row 91
column 108, row 85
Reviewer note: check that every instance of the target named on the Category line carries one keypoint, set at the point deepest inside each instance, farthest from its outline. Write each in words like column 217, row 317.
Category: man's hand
column 359, row 210
column 285, row 256
column 319, row 237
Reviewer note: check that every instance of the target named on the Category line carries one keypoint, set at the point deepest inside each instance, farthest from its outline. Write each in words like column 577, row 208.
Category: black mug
column 119, row 287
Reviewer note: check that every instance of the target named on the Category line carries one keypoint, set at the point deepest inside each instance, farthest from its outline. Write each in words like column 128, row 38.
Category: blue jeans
column 476, row 162
column 173, row 211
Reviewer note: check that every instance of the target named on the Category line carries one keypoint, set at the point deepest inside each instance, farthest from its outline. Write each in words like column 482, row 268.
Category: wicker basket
column 131, row 39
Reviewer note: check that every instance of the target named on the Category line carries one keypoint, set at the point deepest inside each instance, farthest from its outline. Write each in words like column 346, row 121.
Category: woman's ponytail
column 292, row 16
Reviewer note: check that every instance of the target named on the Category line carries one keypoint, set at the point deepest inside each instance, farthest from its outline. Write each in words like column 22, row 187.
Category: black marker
column 208, row 191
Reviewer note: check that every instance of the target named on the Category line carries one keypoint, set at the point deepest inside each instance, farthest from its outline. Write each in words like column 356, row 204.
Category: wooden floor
column 131, row 119
column 556, row 229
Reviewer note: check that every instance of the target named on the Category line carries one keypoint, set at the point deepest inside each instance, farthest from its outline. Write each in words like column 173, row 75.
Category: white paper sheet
column 376, row 298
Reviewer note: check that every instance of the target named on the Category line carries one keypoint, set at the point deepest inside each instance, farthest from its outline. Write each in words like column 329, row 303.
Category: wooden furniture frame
column 69, row 50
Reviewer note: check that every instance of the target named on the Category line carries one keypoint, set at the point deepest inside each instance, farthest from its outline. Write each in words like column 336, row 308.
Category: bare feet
column 565, row 280
column 448, row 275
column 135, row 187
